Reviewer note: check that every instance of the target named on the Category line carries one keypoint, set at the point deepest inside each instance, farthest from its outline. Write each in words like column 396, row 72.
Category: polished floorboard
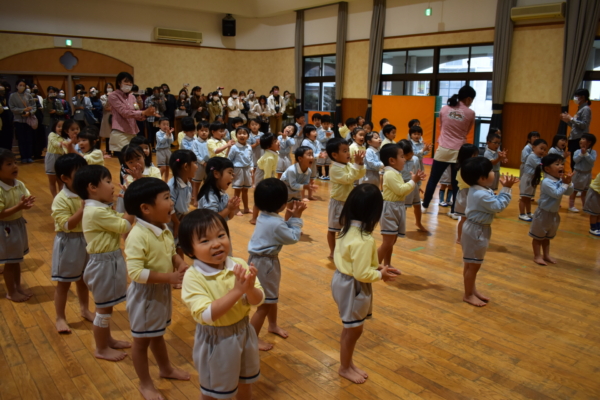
column 539, row 337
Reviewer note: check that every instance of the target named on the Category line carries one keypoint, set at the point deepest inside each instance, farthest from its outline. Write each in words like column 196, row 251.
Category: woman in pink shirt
column 124, row 114
column 456, row 119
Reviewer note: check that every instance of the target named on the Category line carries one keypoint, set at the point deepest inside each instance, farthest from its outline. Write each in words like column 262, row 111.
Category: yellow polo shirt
column 394, row 187
column 213, row 145
column 356, row 255
column 65, row 204
column 148, row 248
column 149, row 172
column 268, row 163
column 54, row 144
column 386, row 141
column 10, row 196
column 203, row 284
column 343, row 177
column 355, row 148
column 461, row 184
column 95, row 157
column 102, row 227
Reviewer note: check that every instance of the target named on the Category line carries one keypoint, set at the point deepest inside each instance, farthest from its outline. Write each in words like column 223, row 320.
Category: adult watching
column 456, row 120
column 580, row 123
column 124, row 114
column 23, row 107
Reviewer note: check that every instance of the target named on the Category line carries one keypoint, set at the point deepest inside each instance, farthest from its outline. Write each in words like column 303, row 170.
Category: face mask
column 28, row 91
column 126, row 88
column 220, row 94
column 52, row 95
column 182, row 96
column 234, row 96
column 166, row 90
column 287, row 96
column 275, row 92
column 109, row 90
column 215, row 98
column 61, row 95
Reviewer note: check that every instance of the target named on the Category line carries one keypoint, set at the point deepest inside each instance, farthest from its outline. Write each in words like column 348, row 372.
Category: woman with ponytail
column 580, row 123
column 456, row 120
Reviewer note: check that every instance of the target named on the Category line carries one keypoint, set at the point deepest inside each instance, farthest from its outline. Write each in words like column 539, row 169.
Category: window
column 591, row 79
column 318, row 83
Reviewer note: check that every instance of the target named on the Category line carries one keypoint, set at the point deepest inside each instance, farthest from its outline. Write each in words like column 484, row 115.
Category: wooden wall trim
column 352, row 108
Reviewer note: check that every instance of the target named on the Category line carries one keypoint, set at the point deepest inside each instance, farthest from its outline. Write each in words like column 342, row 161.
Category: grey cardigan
column 580, row 123
column 17, row 107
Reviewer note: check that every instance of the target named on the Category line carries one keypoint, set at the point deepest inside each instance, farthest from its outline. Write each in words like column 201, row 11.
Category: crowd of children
column 374, row 180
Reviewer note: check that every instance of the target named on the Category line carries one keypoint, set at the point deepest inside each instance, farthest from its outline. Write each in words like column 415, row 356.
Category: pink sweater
column 124, row 114
column 455, row 124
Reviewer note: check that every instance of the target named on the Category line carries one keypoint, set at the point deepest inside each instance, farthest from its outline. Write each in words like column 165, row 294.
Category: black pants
column 25, row 138
column 437, row 170
column 573, row 146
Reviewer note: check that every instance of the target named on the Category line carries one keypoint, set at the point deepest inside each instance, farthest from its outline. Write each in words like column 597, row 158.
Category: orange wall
column 401, row 109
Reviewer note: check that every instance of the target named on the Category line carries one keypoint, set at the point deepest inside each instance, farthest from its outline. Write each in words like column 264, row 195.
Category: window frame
column 316, row 79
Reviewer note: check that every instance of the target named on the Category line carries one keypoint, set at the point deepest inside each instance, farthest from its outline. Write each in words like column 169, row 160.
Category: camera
column 220, row 88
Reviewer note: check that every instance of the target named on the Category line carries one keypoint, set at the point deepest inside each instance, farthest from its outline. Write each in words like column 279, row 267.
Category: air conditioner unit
column 543, row 11
column 177, row 35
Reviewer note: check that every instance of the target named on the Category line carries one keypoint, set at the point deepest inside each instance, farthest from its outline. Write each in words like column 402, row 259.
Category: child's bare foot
column 177, row 286
column 539, row 260
column 264, row 346
column 279, row 331
column 17, row 297
column 330, row 257
column 253, row 221
column 110, row 354
column 62, row 326
column 312, row 198
column 421, row 228
column 87, row 314
column 24, row 292
column 481, row 297
column 474, row 300
column 351, row 375
column 175, row 373
column 550, row 259
column 360, row 371
column 457, row 241
column 118, row 344
column 247, row 211
column 150, row 393
column 239, row 213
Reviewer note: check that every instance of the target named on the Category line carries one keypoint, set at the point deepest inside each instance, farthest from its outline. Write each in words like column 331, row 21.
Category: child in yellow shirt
column 88, row 138
column 266, row 164
column 53, row 151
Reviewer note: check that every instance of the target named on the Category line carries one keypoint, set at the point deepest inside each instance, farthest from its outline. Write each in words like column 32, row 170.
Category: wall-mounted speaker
column 229, row 25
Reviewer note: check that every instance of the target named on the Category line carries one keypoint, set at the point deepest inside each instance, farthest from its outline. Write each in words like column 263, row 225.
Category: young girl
column 528, row 149
column 584, row 159
column 88, row 139
column 200, row 149
column 526, row 189
column 368, row 127
column 212, row 195
column 14, row 198
column 144, row 144
column 373, row 163
column 310, row 140
column 133, row 163
column 217, row 146
column 70, row 129
column 254, row 141
column 357, row 140
column 357, row 267
column 545, row 222
column 592, row 206
column 53, row 151
column 219, row 291
column 559, row 146
column 241, row 157
column 286, row 143
column 466, row 152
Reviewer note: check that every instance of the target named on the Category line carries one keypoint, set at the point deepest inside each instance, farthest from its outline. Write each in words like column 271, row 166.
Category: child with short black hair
column 373, row 164
column 482, row 205
column 346, row 130
column 212, row 195
column 241, row 157
column 310, row 140
column 87, row 140
column 219, row 291
column 413, row 122
column 592, row 206
column 528, row 149
column 343, row 173
column 164, row 139
column 420, row 149
column 266, row 166
column 411, row 167
column 53, row 151
column 382, row 123
column 133, row 162
column 526, row 189
column 105, row 273
column 300, row 121
column 324, row 135
column 200, row 149
column 356, row 268
column 254, row 141
column 287, row 142
column 217, row 146
column 316, row 120
column 69, row 256
column 14, row 198
column 546, row 219
column 465, row 152
column 297, row 177
column 368, row 127
column 188, row 130
column 559, row 146
column 235, row 122
column 151, row 259
column 272, row 232
column 388, row 134
column 395, row 190
column 495, row 156
column 584, row 159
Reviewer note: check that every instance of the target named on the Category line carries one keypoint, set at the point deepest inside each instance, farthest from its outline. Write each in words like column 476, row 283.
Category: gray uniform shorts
column 592, row 203
column 69, row 256
column 474, row 241
column 496, row 180
column 242, row 178
column 269, row 275
column 581, row 180
column 393, row 218
column 200, row 173
column 413, row 198
column 49, row 160
column 226, row 356
column 525, row 188
column 353, row 298
column 13, row 241
column 544, row 224
column 106, row 277
column 333, row 218
column 162, row 157
column 283, row 163
column 259, row 175
column 371, row 177
column 149, row 308
column 460, row 205
column 323, row 161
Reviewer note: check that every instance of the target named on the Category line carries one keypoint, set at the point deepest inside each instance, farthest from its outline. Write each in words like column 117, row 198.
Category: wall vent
column 176, row 35
column 542, row 11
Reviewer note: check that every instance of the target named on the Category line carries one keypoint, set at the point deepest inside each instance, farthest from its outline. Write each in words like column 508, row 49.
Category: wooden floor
column 539, row 338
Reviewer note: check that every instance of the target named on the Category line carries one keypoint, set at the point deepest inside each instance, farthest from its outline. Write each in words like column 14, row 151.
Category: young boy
column 241, row 157
column 187, row 129
column 164, row 139
column 297, row 177
column 324, row 135
column 495, row 156
column 271, row 233
column 200, row 149
column 300, row 121
column 349, row 127
column 482, row 204
column 266, row 166
column 420, row 149
column 14, row 198
column 254, row 141
column 316, row 120
column 69, row 256
column 382, row 123
column 343, row 175
column 151, row 257
column 395, row 190
column 388, row 134
column 87, row 140
column 411, row 167
column 105, row 273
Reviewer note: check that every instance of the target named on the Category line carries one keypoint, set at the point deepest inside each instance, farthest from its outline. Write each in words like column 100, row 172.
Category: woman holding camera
column 276, row 104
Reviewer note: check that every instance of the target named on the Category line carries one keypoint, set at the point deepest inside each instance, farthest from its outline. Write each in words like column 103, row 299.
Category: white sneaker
column 530, row 215
column 525, row 217
column 595, row 233
column 455, row 216
column 573, row 209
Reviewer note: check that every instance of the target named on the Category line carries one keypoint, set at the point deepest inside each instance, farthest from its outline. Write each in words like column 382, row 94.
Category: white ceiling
column 241, row 8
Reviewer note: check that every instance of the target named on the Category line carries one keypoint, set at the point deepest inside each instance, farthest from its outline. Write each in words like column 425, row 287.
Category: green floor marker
column 417, row 248
column 489, row 284
column 524, row 266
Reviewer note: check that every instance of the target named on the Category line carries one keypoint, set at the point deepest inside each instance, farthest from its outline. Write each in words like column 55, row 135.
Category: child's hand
column 323, row 154
column 244, row 280
column 26, row 202
column 313, row 187
column 583, row 149
column 508, row 180
column 233, row 203
column 427, row 146
column 359, row 157
column 416, row 178
column 388, row 273
column 176, row 277
column 231, row 143
column 298, row 208
column 567, row 154
column 502, row 154
column 328, row 133
column 136, row 172
column 567, row 178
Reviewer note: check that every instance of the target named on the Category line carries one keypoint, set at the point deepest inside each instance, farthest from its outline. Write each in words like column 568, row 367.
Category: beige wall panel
column 357, row 70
